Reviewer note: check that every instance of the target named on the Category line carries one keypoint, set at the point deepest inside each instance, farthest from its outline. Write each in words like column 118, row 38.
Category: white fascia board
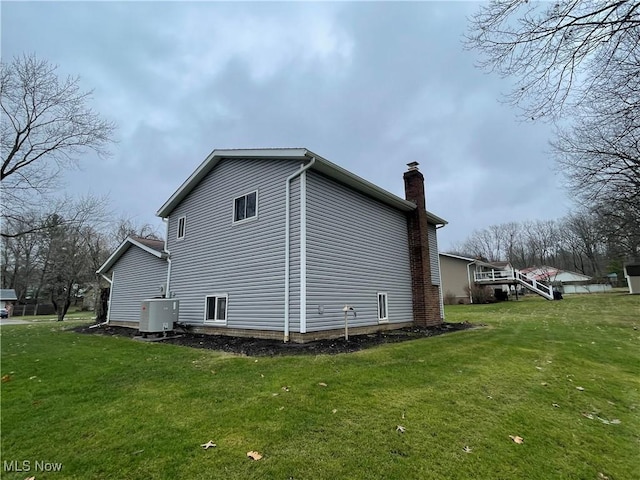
column 322, row 165
column 212, row 160
column 459, row 257
column 124, row 246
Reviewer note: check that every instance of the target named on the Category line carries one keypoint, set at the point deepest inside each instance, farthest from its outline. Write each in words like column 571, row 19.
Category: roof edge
column 122, row 248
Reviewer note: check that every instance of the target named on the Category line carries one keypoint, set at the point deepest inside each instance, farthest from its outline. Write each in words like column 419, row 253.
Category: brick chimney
column 426, row 296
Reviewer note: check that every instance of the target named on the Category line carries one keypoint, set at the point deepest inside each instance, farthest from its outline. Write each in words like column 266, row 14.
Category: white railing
column 496, row 276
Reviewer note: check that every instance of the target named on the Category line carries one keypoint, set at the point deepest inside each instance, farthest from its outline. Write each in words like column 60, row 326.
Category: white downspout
column 112, row 281
column 286, row 243
column 167, row 293
column 469, row 281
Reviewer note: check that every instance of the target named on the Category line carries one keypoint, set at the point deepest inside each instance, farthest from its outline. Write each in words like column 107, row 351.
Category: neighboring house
column 136, row 271
column 7, row 299
column 564, row 280
column 458, row 275
column 273, row 243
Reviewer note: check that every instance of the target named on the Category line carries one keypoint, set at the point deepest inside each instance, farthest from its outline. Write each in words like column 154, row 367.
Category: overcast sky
column 369, row 86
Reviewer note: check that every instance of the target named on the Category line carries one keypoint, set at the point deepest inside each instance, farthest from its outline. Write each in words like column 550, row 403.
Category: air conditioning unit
column 158, row 315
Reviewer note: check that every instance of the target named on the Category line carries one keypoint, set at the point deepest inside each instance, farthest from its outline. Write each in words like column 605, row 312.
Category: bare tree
column 560, row 52
column 45, row 124
column 577, row 63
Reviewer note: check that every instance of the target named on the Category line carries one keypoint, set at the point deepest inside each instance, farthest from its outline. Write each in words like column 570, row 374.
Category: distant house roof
column 8, row 294
column 152, row 246
column 302, row 154
column 468, row 260
column 553, row 274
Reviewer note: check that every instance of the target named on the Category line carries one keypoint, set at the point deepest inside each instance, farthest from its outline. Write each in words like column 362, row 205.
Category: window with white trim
column 245, row 207
column 215, row 308
column 383, row 307
column 182, row 226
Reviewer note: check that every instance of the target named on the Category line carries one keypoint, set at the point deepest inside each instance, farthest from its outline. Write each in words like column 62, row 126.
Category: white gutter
column 106, row 278
column 287, row 247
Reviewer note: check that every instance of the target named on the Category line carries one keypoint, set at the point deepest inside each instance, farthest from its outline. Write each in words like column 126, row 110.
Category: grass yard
column 564, row 376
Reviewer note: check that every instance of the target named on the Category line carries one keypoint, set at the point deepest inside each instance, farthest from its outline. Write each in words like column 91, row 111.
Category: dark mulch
column 259, row 347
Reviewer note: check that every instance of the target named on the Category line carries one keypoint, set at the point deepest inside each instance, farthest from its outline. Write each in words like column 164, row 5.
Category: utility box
column 158, row 315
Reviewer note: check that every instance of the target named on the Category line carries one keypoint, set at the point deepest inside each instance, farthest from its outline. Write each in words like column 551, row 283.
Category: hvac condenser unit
column 158, row 315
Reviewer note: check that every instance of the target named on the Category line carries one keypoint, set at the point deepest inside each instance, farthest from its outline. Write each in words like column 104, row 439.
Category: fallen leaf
column 286, row 389
column 6, row 378
column 489, row 397
column 322, row 384
column 261, row 375
column 544, row 384
column 587, row 415
column 602, row 476
column 615, row 421
column 580, row 388
column 555, row 405
column 539, row 368
column 208, row 445
column 517, row 439
column 254, row 455
column 137, row 452
column 30, row 478
column 275, row 394
column 281, row 408
column 403, row 415
column 400, row 429
column 334, row 410
column 32, row 377
column 467, row 449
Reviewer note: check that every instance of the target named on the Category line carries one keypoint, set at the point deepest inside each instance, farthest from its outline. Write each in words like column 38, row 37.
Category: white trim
column 287, row 238
column 321, row 165
column 246, row 219
column 182, row 219
column 385, row 295
column 167, row 293
column 113, row 279
column 226, row 308
column 303, row 252
column 124, row 246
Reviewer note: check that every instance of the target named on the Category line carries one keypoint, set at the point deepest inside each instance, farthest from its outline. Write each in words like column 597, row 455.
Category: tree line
column 582, row 242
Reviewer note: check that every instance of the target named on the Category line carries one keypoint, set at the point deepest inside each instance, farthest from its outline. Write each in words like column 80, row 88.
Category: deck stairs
column 502, row 277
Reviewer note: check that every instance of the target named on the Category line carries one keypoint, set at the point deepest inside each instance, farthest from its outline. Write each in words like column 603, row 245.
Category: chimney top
column 413, row 166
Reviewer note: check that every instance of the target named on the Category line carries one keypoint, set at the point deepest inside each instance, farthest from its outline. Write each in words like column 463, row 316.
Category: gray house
column 136, row 271
column 273, row 243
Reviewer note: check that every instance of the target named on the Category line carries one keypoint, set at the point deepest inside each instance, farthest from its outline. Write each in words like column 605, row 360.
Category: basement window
column 245, row 207
column 182, row 225
column 216, row 308
column 383, row 310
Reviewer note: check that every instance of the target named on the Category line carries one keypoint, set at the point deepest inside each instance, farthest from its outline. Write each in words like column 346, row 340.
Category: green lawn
column 112, row 408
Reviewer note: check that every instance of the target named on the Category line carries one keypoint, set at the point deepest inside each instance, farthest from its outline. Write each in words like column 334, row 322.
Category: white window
column 383, row 310
column 215, row 308
column 182, row 225
column 245, row 207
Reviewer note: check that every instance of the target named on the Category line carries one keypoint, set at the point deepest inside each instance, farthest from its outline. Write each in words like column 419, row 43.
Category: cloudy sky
column 369, row 86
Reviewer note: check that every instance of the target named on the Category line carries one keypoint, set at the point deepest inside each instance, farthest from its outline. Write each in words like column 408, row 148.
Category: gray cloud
column 370, row 86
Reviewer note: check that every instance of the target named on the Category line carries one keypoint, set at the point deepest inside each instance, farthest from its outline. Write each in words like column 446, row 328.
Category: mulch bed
column 259, row 347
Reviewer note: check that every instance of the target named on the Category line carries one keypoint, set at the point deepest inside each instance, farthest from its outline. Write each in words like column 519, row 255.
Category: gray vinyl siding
column 433, row 254
column 294, row 256
column 356, row 247
column 244, row 260
column 137, row 275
